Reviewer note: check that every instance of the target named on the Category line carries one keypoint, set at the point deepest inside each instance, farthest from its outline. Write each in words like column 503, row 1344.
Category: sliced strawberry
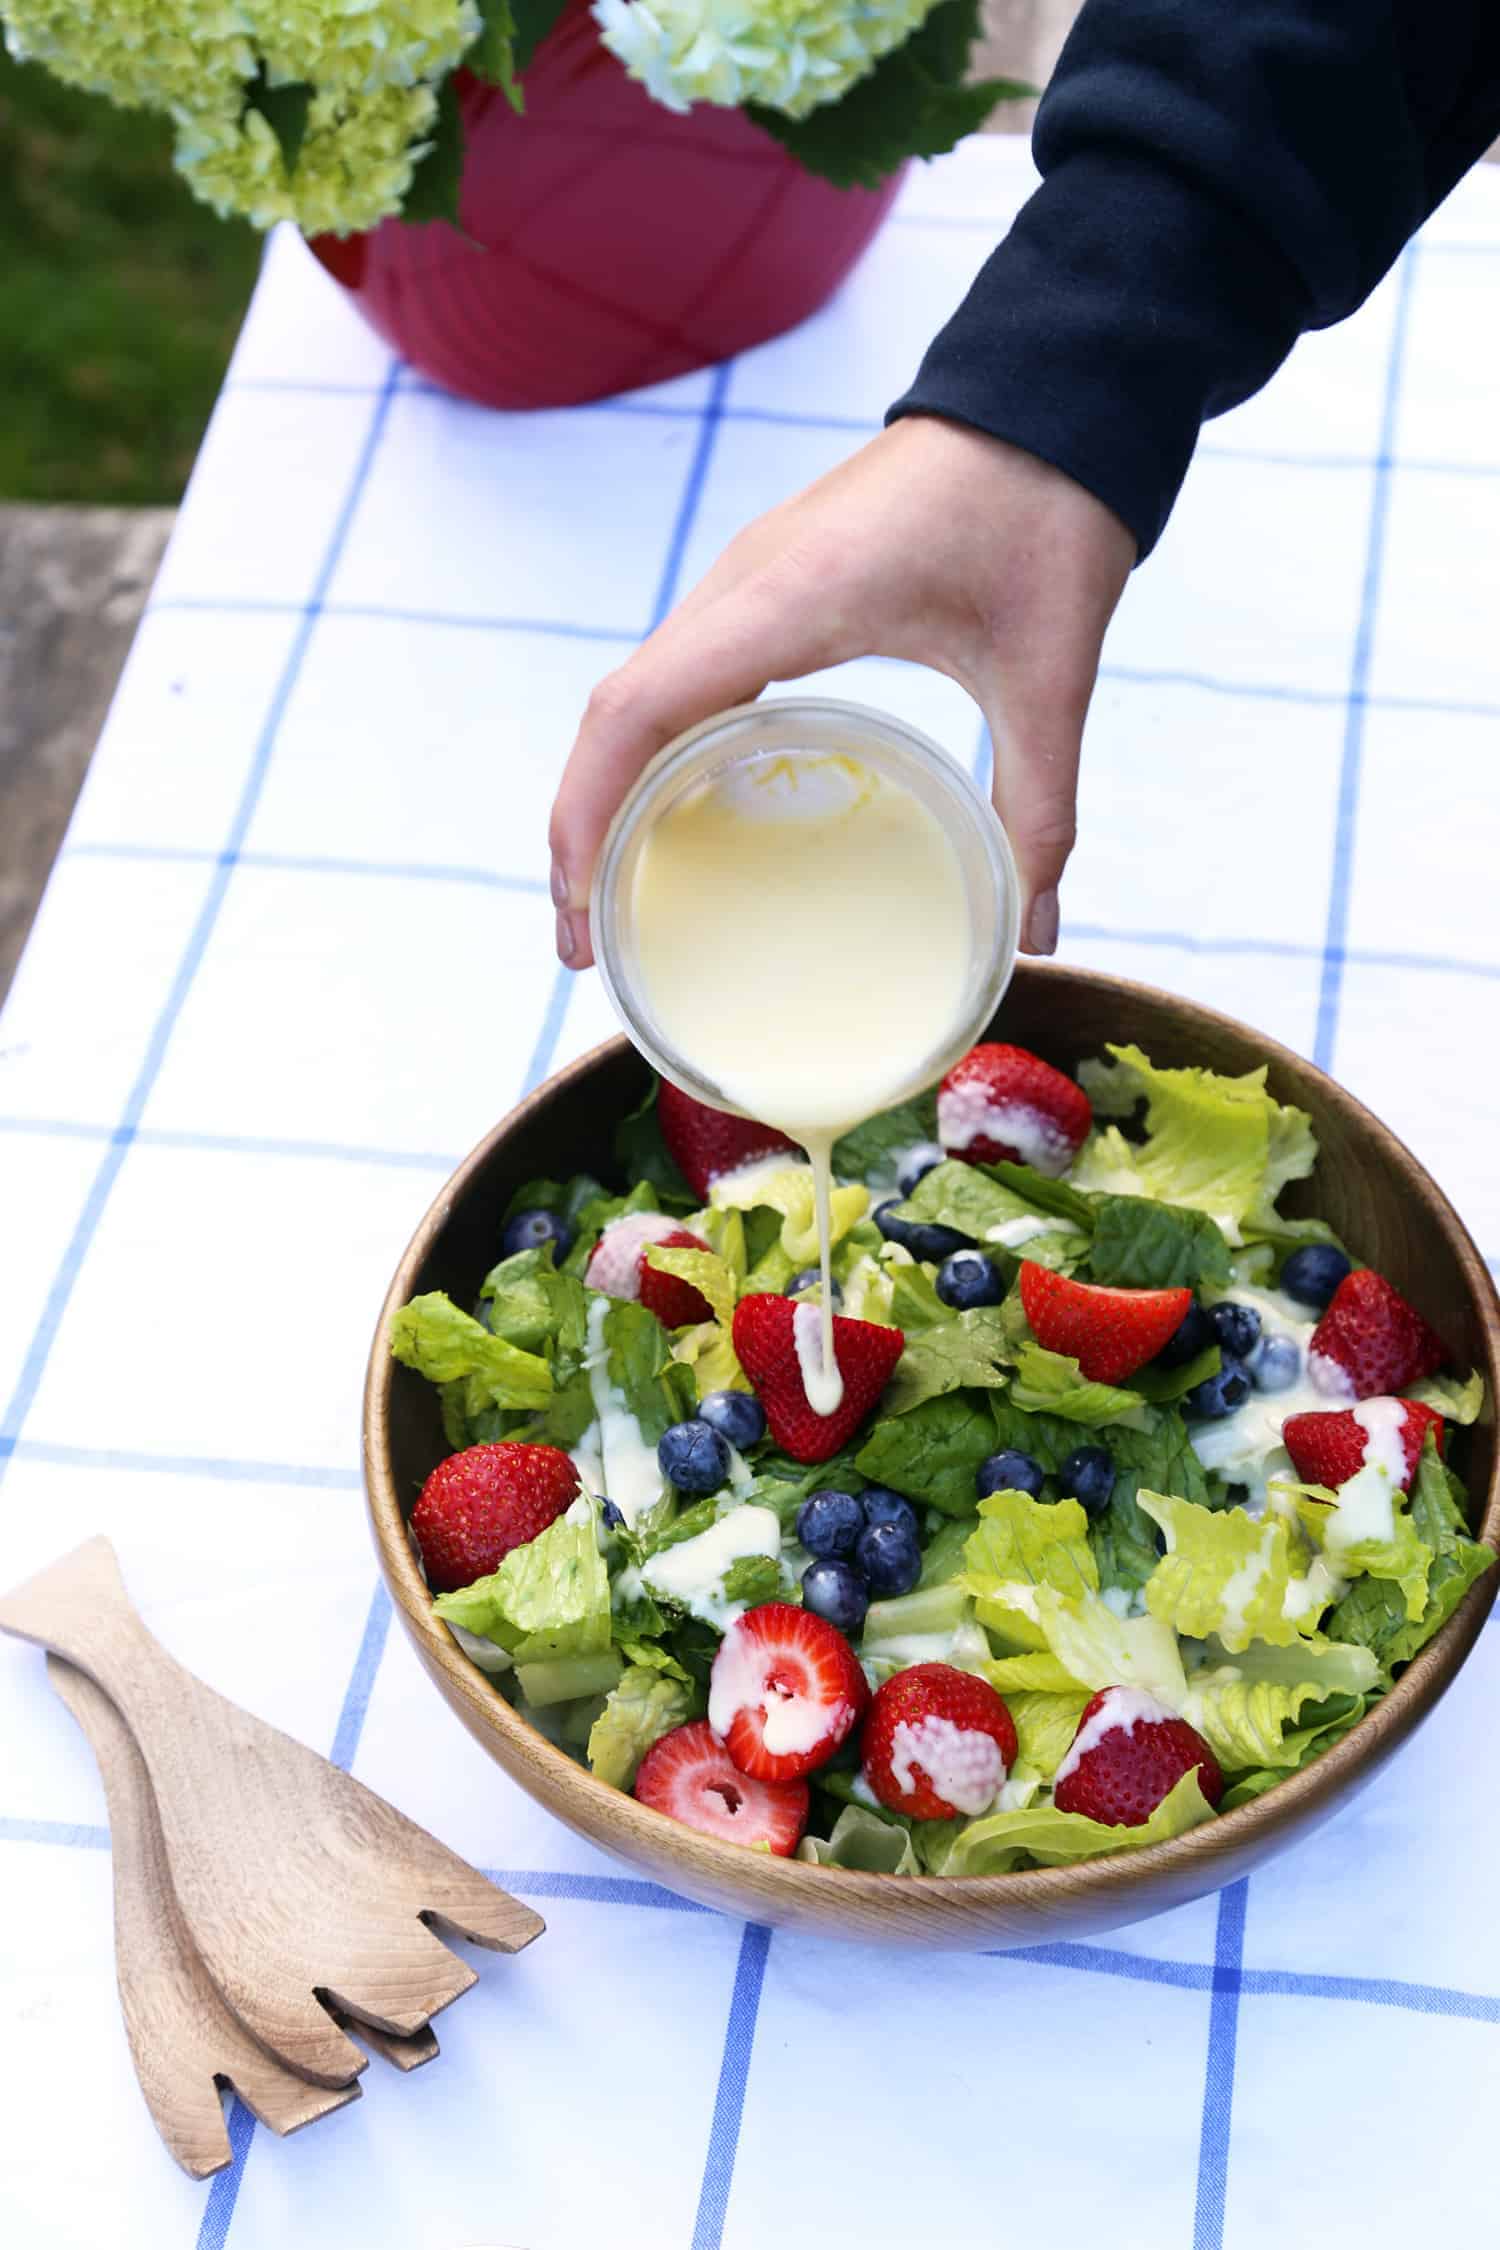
column 1331, row 1448
column 1129, row 1752
column 1376, row 1341
column 765, row 1340
column 1110, row 1332
column 938, row 1742
column 710, row 1142
column 480, row 1503
column 676, row 1303
column 614, row 1266
column 786, row 1689
column 1001, row 1103
column 689, row 1776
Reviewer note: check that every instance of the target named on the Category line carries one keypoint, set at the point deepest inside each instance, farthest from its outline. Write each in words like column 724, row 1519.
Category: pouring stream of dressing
column 802, row 932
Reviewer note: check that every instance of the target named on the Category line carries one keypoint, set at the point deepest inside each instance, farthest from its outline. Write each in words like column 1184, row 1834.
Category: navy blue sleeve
column 1217, row 177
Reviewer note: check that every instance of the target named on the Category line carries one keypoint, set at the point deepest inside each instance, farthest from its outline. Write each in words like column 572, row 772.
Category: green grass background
column 119, row 299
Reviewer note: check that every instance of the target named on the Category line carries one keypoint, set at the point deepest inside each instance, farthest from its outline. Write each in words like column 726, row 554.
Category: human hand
column 934, row 543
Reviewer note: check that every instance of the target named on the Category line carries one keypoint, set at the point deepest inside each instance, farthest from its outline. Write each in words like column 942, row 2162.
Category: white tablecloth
column 295, row 958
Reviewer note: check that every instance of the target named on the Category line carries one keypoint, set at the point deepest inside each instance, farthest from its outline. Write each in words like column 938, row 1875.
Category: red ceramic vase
column 607, row 241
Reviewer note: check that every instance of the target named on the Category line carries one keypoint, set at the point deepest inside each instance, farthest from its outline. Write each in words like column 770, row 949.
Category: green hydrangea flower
column 354, row 168
column 161, row 54
column 358, row 45
column 789, row 55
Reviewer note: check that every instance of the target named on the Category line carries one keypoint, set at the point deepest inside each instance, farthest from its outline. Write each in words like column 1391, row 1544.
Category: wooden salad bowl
column 1373, row 1192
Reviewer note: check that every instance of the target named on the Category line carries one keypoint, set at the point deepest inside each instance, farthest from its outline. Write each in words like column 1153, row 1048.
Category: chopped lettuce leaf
column 860, row 1839
column 1100, row 1649
column 915, row 1303
column 1051, row 1383
column 646, row 1705
column 1039, row 1674
column 873, row 1151
column 965, row 1198
column 705, row 1270
column 754, row 1578
column 568, row 1198
column 1045, row 1724
column 709, row 1351
column 1141, row 1244
column 1374, row 1612
column 868, row 1292
column 446, row 1345
column 1161, row 1386
column 1364, row 1526
column 1222, row 1573
column 569, row 1679
column 1060, row 1199
column 1459, row 1400
column 933, row 1453
column 531, row 1305
column 998, row 1842
column 657, row 1389
column 965, row 1351
column 642, row 1154
column 1243, row 1706
column 943, row 1555
column 788, row 1189
column 1019, row 1545
column 1220, row 1144
column 724, row 1232
column 548, row 1599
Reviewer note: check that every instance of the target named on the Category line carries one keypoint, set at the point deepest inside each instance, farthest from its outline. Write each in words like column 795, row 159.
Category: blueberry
column 880, row 1505
column 832, row 1590
column 918, row 1162
column 1218, row 1395
column 968, row 1279
column 927, row 1243
column 829, row 1522
column 533, row 1230
column 889, row 1559
column 1192, row 1336
column 1236, row 1328
column 693, row 1457
column 1275, row 1363
column 1010, row 1471
column 736, row 1415
column 1312, row 1274
column 1088, row 1476
column 613, row 1520
column 809, row 1278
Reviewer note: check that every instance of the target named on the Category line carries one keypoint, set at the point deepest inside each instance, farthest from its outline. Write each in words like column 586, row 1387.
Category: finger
column 1035, row 787
column 702, row 661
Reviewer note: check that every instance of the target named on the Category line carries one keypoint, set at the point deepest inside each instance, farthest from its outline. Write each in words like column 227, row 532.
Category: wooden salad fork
column 304, row 1894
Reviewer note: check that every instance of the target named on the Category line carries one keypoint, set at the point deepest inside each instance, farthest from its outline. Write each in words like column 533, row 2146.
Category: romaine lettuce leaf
column 1457, row 1399
column 1374, row 1612
column 658, row 1389
column 530, row 1304
column 1045, row 1725
column 708, row 1350
column 868, row 1292
column 646, row 1705
column 446, row 1345
column 860, row 1839
column 997, row 1842
column 1141, row 1244
column 1018, row 1545
column 965, row 1198
column 1100, row 1649
column 705, row 1270
column 873, row 1151
column 568, row 1198
column 915, row 1303
column 1222, row 1573
column 943, row 1555
column 1244, row 1705
column 965, row 1351
column 1059, row 1199
column 789, row 1191
column 548, row 1599
column 1364, row 1526
column 1039, row 1674
column 1050, row 1383
column 933, row 1453
column 1220, row 1144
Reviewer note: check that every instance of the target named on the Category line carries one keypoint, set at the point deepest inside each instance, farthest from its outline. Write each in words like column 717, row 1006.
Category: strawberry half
column 786, row 1689
column 710, row 1142
column 765, row 1342
column 938, row 1742
column 1110, row 1332
column 1004, row 1104
column 1374, row 1338
column 614, row 1266
column 480, row 1503
column 1129, row 1752
column 676, row 1303
column 1331, row 1448
column 688, row 1775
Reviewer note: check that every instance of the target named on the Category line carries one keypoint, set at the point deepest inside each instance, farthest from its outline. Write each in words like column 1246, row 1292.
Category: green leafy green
column 915, row 1303
column 1374, row 1611
column 642, row 1154
column 450, row 1347
column 548, row 1599
column 1101, row 1649
column 933, row 1453
column 705, row 1270
column 964, row 1197
column 1457, row 1399
column 1045, row 1723
column 1139, row 1244
column 1040, row 1192
column 658, row 1389
column 1037, row 1673
column 1222, row 1573
column 966, row 1350
column 1161, row 1459
column 1243, row 1706
column 1017, row 1545
column 998, row 1842
column 647, row 1704
column 1051, row 1383
column 943, row 1555
column 862, row 1840
column 874, row 1150
column 529, row 1303
column 1160, row 1386
column 752, row 1579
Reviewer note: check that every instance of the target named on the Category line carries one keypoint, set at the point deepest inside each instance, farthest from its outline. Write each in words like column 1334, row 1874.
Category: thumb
column 1035, row 791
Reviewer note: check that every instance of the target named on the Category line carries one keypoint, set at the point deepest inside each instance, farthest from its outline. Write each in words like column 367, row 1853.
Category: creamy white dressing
column 1011, row 1233
column 692, row 1573
column 769, row 887
column 963, row 1765
column 966, row 1114
column 1246, row 1448
column 1242, row 1586
column 1123, row 1708
column 627, row 1466
column 820, row 1376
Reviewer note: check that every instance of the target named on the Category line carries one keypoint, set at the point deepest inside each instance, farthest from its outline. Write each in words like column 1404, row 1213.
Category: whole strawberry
column 479, row 1504
column 766, row 1338
column 1331, row 1448
column 1110, row 1332
column 938, row 1743
column 1371, row 1343
column 785, row 1691
column 690, row 1776
column 675, row 1302
column 1129, row 1752
column 707, row 1143
column 1001, row 1103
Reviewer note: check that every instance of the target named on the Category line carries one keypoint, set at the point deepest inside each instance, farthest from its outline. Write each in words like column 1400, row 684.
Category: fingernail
column 567, row 945
column 559, row 885
column 1041, row 923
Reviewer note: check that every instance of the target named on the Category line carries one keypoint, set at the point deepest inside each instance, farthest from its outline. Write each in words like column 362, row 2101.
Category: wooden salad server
column 302, row 1892
column 184, row 2042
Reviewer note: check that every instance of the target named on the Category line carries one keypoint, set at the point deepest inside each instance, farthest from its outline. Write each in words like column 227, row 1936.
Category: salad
column 1136, row 1500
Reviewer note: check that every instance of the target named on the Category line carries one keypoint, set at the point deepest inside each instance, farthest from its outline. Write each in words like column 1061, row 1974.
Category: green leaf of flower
column 438, row 177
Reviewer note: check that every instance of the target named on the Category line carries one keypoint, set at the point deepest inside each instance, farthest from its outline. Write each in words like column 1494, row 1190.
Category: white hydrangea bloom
column 789, row 55
column 139, row 52
column 353, row 170
column 358, row 45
